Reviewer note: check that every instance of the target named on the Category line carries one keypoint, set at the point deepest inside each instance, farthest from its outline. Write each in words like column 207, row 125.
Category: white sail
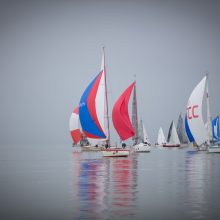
column 145, row 136
column 194, row 113
column 161, row 138
column 173, row 136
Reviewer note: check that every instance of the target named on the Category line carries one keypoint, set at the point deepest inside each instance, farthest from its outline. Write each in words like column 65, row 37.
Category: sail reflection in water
column 124, row 183
column 89, row 185
column 105, row 188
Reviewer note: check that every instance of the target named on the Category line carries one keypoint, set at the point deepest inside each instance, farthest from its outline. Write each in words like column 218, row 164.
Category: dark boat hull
column 171, row 145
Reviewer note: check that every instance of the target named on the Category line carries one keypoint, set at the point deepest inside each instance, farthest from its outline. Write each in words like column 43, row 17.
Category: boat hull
column 171, row 145
column 115, row 153
column 142, row 148
column 202, row 148
column 214, row 149
column 91, row 148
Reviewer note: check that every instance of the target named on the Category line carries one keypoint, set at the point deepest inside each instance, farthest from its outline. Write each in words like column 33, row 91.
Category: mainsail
column 172, row 135
column 135, row 116
column 74, row 125
column 120, row 116
column 161, row 138
column 181, row 130
column 146, row 138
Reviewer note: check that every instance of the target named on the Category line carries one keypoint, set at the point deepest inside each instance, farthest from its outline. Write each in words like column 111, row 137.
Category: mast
column 209, row 118
column 106, row 98
column 134, row 115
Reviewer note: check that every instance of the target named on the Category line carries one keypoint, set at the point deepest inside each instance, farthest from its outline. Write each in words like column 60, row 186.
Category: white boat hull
column 214, row 149
column 91, row 148
column 142, row 148
column 115, row 153
column 202, row 148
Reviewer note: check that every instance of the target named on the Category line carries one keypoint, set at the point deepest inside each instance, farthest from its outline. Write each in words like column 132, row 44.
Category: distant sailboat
column 145, row 135
column 196, row 129
column 161, row 140
column 181, row 131
column 172, row 139
column 144, row 142
column 138, row 144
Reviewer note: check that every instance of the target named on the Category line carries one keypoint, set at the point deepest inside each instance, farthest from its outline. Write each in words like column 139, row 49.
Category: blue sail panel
column 215, row 129
column 188, row 132
column 88, row 125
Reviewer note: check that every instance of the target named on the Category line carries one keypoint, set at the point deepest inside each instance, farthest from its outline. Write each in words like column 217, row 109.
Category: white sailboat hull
column 202, row 148
column 142, row 148
column 214, row 149
column 115, row 152
column 91, row 148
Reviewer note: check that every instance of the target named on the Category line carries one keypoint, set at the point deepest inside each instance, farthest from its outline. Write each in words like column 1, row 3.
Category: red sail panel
column 76, row 135
column 120, row 116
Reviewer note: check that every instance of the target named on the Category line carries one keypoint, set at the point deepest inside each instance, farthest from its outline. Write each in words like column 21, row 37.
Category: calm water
column 54, row 182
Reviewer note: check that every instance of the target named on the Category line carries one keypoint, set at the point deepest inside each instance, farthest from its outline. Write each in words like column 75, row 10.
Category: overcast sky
column 51, row 50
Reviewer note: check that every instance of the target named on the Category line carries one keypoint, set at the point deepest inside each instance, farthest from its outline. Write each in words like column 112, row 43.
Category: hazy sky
column 50, row 51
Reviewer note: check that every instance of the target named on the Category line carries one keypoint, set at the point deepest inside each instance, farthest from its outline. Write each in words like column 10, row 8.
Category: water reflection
column 105, row 188
column 198, row 184
column 90, row 184
column 124, row 184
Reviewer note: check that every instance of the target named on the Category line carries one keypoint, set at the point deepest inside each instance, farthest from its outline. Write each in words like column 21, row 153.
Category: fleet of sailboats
column 89, row 121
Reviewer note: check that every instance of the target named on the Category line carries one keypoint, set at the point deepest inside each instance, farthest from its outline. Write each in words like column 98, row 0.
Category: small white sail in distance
column 173, row 137
column 145, row 136
column 161, row 138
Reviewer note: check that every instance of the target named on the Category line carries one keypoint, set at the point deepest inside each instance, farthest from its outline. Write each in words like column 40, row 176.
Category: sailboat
column 172, row 139
column 216, row 136
column 144, row 143
column 93, row 114
column 138, row 144
column 181, row 131
column 121, row 122
column 161, row 140
column 196, row 129
column 93, row 111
